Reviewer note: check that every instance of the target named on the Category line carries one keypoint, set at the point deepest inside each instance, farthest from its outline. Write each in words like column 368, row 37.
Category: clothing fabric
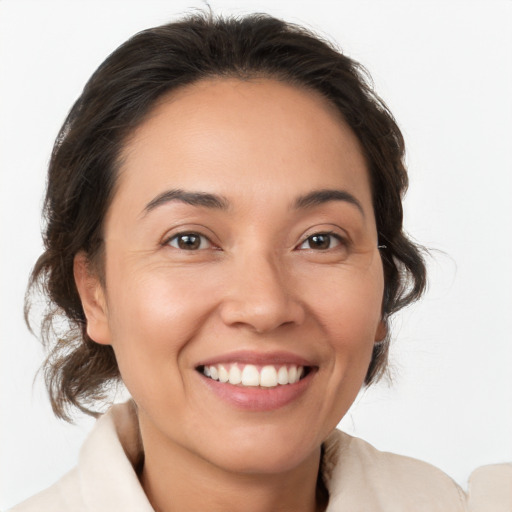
column 359, row 478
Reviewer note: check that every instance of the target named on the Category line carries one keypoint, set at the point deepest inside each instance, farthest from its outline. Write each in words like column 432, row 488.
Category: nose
column 260, row 296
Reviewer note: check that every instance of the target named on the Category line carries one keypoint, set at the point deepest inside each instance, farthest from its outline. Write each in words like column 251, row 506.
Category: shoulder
column 490, row 489
column 360, row 477
column 105, row 479
column 62, row 496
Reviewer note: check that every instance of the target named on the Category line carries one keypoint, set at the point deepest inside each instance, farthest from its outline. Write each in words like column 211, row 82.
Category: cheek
column 153, row 316
column 347, row 307
column 349, row 310
column 349, row 303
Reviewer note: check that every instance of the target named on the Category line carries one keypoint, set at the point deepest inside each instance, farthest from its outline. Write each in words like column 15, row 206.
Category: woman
column 225, row 236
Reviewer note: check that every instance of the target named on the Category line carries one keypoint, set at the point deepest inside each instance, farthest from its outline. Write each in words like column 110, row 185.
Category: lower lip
column 258, row 398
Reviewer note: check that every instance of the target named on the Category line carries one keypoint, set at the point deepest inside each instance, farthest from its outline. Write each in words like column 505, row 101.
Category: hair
column 85, row 160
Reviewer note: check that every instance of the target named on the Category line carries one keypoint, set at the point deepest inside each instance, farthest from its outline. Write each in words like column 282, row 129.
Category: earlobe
column 93, row 300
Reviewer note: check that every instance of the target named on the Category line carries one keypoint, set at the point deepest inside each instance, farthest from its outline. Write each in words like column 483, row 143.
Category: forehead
column 239, row 137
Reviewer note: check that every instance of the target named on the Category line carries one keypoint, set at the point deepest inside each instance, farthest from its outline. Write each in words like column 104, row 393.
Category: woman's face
column 241, row 244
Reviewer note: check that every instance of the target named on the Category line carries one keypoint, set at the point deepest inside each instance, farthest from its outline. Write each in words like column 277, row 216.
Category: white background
column 445, row 69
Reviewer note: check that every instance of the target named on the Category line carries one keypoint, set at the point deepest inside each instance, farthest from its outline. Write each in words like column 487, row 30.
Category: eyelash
column 202, row 238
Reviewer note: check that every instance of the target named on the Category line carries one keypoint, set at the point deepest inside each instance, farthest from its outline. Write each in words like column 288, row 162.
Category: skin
column 257, row 283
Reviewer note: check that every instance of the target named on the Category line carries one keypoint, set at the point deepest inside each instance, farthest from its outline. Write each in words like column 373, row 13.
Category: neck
column 176, row 480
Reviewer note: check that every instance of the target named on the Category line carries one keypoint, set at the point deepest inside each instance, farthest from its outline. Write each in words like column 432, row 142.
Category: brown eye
column 189, row 242
column 320, row 242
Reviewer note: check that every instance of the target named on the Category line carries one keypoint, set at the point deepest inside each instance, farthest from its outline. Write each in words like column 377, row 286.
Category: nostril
column 261, row 316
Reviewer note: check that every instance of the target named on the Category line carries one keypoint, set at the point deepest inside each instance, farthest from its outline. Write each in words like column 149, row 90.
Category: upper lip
column 257, row 358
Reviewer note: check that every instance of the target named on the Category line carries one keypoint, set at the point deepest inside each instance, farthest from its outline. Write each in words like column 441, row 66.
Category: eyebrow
column 207, row 200
column 193, row 198
column 319, row 197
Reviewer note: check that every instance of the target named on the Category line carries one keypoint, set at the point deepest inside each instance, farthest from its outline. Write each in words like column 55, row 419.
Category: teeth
column 223, row 374
column 235, row 375
column 292, row 374
column 268, row 376
column 282, row 375
column 250, row 375
column 214, row 373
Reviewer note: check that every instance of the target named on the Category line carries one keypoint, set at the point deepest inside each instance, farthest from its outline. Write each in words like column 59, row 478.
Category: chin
column 260, row 462
column 265, row 450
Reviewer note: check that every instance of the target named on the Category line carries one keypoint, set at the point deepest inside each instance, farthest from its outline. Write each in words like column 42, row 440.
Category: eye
column 321, row 241
column 189, row 242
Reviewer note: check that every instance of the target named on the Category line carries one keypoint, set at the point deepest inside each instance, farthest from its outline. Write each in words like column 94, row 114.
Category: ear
column 382, row 330
column 93, row 300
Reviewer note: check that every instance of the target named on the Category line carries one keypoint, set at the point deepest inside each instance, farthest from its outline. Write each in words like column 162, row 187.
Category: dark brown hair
column 85, row 159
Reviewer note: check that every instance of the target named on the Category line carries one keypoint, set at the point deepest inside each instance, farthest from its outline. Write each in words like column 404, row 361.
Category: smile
column 250, row 375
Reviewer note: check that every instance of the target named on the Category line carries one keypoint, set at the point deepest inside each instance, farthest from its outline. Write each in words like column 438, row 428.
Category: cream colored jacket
column 359, row 478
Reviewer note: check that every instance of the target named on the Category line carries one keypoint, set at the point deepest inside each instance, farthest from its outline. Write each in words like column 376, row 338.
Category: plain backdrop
column 445, row 70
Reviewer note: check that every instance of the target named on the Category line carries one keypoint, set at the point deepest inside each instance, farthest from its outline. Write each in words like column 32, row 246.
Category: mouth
column 254, row 376
column 257, row 381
